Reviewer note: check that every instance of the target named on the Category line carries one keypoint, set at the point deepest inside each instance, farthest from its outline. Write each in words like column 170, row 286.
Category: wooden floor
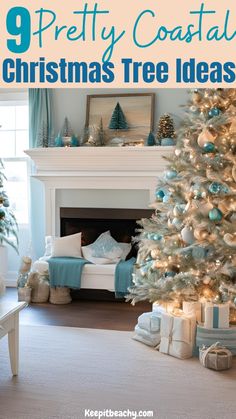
column 111, row 315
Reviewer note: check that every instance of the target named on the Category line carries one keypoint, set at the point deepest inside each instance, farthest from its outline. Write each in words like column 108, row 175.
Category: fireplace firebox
column 122, row 223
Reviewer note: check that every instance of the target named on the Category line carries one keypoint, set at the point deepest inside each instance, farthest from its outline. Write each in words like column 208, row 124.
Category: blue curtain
column 40, row 118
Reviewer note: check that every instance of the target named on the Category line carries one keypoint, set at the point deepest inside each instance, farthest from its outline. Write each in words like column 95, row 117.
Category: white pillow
column 87, row 252
column 126, row 247
column 68, row 246
column 48, row 246
column 106, row 247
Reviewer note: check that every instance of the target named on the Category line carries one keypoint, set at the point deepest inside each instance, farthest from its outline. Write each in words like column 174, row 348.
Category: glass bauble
column 214, row 112
column 215, row 215
column 209, row 148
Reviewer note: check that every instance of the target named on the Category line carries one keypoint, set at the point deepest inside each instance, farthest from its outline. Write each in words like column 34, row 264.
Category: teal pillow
column 106, row 247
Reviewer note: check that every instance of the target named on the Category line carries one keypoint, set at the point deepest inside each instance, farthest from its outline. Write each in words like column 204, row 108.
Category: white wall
column 72, row 103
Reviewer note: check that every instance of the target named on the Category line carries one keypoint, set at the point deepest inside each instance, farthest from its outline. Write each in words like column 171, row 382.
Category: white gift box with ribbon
column 216, row 316
column 177, row 334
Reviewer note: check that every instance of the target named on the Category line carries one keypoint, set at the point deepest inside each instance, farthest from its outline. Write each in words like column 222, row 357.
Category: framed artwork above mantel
column 126, row 119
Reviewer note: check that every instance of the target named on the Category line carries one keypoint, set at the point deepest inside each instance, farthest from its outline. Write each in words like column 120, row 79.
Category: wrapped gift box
column 150, row 339
column 216, row 357
column 177, row 334
column 151, row 322
column 165, row 307
column 193, row 308
column 207, row 337
column 216, row 316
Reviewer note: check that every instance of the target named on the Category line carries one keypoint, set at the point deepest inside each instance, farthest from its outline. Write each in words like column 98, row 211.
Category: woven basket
column 60, row 295
column 40, row 288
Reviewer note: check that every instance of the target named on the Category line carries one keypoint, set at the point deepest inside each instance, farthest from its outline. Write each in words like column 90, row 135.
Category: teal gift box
column 207, row 337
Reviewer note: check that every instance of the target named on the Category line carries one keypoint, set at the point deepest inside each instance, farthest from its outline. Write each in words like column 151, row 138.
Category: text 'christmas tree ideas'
column 190, row 71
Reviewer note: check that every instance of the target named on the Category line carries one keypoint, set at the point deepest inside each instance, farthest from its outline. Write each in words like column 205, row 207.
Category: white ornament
column 233, row 218
column 234, row 173
column 206, row 280
column 187, row 235
column 177, row 222
column 177, row 152
column 205, row 137
column 230, row 239
column 205, row 208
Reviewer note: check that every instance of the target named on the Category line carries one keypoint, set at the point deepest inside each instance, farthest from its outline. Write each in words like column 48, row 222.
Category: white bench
column 98, row 277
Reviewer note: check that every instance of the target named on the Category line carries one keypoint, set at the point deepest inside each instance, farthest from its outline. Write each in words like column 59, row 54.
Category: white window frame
column 15, row 97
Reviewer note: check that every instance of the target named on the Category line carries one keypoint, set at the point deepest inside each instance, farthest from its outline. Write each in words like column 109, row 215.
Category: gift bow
column 215, row 348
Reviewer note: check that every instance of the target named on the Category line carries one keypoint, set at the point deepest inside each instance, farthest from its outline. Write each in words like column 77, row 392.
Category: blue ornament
column 215, row 214
column 214, row 112
column 2, row 213
column 74, row 141
column 209, row 148
column 177, row 222
column 187, row 235
column 171, row 174
column 197, row 194
column 59, row 141
column 157, row 237
column 167, row 141
column 224, row 189
column 179, row 209
column 166, row 199
column 160, row 194
column 215, row 188
column 6, row 203
column 198, row 252
column 154, row 236
column 170, row 274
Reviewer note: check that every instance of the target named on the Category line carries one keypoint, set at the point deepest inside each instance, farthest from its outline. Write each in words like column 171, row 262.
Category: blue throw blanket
column 123, row 277
column 66, row 272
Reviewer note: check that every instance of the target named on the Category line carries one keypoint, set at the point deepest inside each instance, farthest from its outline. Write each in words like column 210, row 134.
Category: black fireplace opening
column 122, row 223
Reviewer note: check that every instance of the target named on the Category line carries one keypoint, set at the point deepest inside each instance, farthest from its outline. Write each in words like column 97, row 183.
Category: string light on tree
column 195, row 210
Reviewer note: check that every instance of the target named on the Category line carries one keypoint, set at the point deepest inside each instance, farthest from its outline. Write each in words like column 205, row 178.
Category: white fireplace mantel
column 113, row 168
column 68, row 161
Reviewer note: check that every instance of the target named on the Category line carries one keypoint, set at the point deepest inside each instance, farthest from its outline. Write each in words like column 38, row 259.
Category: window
column 14, row 130
column 14, row 139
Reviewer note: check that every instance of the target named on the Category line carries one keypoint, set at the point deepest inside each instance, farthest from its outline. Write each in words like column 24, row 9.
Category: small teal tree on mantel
column 8, row 223
column 118, row 119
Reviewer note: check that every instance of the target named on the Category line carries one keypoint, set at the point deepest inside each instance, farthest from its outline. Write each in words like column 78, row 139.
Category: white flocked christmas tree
column 187, row 250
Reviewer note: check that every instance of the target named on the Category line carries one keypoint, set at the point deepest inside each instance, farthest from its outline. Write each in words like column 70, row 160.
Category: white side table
column 9, row 324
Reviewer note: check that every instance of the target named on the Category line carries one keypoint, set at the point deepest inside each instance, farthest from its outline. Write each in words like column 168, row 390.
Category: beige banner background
column 123, row 14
